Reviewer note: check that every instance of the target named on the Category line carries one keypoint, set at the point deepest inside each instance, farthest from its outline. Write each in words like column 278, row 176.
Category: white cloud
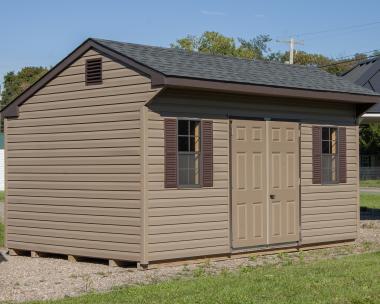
column 212, row 13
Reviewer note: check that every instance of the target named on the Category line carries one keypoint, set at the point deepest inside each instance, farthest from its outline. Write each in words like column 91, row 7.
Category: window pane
column 333, row 140
column 183, row 127
column 194, row 127
column 325, row 134
column 183, row 177
column 194, row 144
column 183, row 162
column 188, row 169
column 183, row 143
column 183, row 165
column 329, row 168
column 325, row 146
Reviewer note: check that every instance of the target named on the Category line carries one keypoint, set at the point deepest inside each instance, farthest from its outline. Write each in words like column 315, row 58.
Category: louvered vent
column 94, row 71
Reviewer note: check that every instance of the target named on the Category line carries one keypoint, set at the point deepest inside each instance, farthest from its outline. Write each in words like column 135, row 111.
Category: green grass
column 370, row 200
column 1, row 234
column 353, row 279
column 1, row 196
column 370, row 183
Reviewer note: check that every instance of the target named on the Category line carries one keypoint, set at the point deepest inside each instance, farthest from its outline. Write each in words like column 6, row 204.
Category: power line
column 349, row 56
column 347, row 61
column 337, row 29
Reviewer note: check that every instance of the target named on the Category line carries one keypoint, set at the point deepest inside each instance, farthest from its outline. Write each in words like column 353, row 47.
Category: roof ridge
column 197, row 53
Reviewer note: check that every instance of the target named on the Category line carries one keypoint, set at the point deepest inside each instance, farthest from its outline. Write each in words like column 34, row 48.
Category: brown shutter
column 342, row 150
column 170, row 134
column 207, row 153
column 317, row 150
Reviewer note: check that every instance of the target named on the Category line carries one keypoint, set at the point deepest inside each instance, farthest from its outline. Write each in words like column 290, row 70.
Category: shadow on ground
column 369, row 213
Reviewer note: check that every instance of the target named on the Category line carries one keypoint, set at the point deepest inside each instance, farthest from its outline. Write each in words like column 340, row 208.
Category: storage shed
column 138, row 153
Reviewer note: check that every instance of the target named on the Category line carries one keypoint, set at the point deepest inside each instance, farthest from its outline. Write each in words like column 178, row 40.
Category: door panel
column 283, row 181
column 264, row 182
column 248, row 183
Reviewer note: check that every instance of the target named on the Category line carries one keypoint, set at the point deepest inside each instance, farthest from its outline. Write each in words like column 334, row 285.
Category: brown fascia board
column 11, row 110
column 262, row 90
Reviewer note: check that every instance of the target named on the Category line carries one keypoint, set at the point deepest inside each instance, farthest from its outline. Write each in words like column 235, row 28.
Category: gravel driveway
column 25, row 278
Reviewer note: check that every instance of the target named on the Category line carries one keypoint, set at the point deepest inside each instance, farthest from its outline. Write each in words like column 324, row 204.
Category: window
column 189, row 152
column 329, row 155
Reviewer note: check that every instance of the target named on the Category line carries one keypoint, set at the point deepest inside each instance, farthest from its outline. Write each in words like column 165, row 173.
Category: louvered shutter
column 316, row 154
column 170, row 134
column 207, row 153
column 342, row 150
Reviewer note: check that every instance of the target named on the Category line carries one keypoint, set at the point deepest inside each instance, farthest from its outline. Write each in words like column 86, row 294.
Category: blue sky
column 42, row 32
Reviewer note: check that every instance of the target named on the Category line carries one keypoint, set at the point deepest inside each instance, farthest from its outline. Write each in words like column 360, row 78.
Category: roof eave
column 251, row 89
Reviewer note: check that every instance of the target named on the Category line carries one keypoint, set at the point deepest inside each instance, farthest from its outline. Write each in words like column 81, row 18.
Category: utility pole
column 292, row 42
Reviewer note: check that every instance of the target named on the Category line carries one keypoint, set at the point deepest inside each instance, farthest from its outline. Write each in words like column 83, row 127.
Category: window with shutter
column 188, row 153
column 329, row 155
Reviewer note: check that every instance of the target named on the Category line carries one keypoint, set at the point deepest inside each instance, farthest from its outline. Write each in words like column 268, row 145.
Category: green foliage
column 218, row 44
column 370, row 138
column 258, row 48
column 353, row 279
column 16, row 83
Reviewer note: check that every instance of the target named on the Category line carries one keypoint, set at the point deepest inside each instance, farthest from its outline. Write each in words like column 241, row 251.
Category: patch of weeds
column 245, row 269
column 199, row 271
column 224, row 271
column 207, row 263
column 285, row 259
column 185, row 269
column 367, row 245
column 253, row 258
column 301, row 256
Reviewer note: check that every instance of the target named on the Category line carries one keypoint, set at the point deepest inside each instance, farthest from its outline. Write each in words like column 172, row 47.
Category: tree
column 16, row 83
column 370, row 138
column 257, row 48
column 218, row 44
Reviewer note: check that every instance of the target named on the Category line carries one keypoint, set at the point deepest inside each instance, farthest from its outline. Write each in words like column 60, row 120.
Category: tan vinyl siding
column 186, row 222
column 74, row 165
column 328, row 212
column 193, row 222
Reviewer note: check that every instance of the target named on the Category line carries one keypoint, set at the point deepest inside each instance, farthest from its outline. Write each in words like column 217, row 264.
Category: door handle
column 272, row 196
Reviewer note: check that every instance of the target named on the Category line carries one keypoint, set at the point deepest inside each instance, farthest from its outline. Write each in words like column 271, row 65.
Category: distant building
column 367, row 74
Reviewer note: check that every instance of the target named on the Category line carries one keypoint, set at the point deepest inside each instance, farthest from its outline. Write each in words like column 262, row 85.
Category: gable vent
column 94, row 71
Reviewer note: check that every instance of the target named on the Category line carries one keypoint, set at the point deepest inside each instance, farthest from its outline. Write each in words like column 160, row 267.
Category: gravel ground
column 25, row 278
